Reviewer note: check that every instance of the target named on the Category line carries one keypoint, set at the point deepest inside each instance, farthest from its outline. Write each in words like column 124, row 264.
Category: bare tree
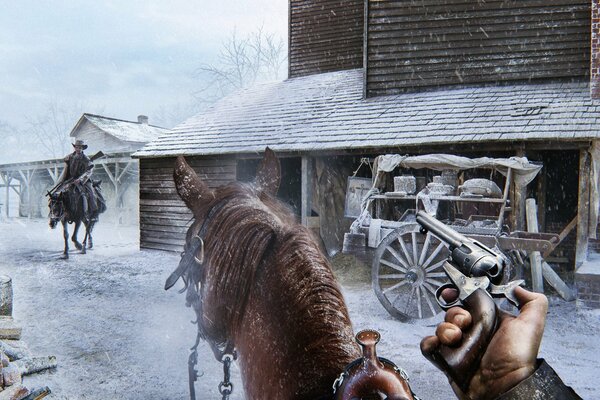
column 51, row 128
column 243, row 61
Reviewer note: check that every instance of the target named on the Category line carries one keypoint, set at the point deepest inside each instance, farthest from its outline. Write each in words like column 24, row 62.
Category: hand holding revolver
column 511, row 355
column 487, row 353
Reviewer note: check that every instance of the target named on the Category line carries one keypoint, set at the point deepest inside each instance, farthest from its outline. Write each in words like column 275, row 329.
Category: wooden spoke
column 435, row 266
column 412, row 293
column 390, row 264
column 434, row 282
column 419, row 307
column 424, row 249
column 434, row 254
column 437, row 275
column 396, row 286
column 398, row 257
column 429, row 303
column 415, row 248
column 404, row 249
column 392, row 276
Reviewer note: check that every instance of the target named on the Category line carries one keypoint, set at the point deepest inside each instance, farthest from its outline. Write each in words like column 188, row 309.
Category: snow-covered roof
column 327, row 112
column 128, row 131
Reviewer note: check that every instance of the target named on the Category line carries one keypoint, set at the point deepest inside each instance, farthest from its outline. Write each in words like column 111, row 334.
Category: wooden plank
column 324, row 36
column 175, row 203
column 168, row 237
column 423, row 43
column 164, row 228
column 535, row 257
column 583, row 205
column 165, row 209
column 177, row 248
column 164, row 217
column 554, row 280
column 306, row 189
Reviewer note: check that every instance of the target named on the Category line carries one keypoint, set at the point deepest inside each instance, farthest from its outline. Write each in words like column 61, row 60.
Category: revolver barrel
column 441, row 230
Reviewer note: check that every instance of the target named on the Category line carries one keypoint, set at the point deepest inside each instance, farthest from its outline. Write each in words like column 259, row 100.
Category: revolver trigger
column 444, row 305
column 507, row 291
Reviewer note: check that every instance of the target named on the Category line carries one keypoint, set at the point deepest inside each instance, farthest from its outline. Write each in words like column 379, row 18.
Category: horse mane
column 250, row 234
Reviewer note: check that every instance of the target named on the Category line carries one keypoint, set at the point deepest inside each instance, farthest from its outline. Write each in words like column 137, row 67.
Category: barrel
column 6, row 296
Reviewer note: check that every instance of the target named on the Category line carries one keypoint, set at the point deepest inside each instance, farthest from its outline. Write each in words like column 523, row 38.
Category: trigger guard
column 441, row 302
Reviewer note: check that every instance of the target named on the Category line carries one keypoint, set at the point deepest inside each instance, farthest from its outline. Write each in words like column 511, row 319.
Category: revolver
column 475, row 272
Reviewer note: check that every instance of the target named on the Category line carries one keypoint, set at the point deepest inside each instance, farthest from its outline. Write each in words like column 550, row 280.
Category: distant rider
column 77, row 174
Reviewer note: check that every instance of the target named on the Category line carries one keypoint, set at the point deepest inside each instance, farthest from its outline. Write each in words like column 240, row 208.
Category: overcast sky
column 117, row 58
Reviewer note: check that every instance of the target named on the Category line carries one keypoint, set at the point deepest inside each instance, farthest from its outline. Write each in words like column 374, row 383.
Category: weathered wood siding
column 325, row 35
column 420, row 43
column 164, row 218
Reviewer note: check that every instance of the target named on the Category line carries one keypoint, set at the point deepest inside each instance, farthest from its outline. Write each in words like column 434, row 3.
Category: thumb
column 533, row 307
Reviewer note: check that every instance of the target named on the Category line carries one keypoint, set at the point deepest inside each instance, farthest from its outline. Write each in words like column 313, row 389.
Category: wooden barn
column 498, row 78
column 118, row 171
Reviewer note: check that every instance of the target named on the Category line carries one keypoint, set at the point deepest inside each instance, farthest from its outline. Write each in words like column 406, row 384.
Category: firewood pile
column 16, row 361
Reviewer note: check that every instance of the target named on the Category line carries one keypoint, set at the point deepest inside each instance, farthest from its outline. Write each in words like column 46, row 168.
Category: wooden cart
column 407, row 265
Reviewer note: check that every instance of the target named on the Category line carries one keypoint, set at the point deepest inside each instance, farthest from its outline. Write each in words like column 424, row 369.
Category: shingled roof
column 327, row 112
column 128, row 131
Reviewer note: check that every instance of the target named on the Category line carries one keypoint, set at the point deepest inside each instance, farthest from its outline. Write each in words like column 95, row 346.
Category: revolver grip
column 460, row 363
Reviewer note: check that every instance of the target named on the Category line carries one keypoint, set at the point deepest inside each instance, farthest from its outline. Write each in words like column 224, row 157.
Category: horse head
column 258, row 281
column 56, row 207
column 205, row 253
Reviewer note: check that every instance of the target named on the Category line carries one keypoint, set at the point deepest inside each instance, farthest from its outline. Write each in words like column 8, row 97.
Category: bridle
column 57, row 208
column 190, row 270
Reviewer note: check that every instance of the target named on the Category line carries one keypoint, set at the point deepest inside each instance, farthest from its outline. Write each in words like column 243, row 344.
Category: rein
column 190, row 269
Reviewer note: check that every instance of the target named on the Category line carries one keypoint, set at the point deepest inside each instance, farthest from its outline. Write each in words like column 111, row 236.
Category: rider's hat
column 80, row 143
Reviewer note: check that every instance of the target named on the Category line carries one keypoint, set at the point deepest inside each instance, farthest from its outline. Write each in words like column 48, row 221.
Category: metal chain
column 226, row 387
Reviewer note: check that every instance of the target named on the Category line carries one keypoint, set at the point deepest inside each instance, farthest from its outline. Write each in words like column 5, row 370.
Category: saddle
column 370, row 376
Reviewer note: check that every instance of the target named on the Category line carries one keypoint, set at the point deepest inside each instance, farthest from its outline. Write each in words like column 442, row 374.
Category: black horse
column 67, row 206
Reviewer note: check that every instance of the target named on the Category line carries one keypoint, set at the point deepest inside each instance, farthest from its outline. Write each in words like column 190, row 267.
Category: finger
column 448, row 334
column 459, row 317
column 449, row 295
column 428, row 345
column 534, row 307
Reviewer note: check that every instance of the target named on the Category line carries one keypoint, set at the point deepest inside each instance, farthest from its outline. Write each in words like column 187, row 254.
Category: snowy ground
column 118, row 335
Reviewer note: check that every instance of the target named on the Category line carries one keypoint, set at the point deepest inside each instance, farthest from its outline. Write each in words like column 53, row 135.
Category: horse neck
column 296, row 336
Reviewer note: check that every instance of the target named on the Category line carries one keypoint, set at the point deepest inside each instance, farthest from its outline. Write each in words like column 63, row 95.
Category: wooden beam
column 583, row 205
column 306, row 193
column 561, row 236
column 129, row 164
column 110, row 174
column 554, row 280
column 535, row 258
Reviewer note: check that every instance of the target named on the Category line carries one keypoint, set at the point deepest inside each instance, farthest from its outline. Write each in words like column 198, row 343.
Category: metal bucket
column 354, row 243
column 6, row 296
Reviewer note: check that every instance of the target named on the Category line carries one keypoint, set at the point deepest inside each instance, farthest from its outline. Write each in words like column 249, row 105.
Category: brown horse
column 261, row 284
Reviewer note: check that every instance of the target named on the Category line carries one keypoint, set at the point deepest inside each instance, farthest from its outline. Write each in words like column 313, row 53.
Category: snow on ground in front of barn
column 118, row 335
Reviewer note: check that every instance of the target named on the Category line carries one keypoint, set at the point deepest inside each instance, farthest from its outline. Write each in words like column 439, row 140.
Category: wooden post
column 541, row 198
column 27, row 179
column 583, row 206
column 518, row 204
column 6, row 178
column 535, row 258
column 114, row 179
column 306, row 193
column 540, row 268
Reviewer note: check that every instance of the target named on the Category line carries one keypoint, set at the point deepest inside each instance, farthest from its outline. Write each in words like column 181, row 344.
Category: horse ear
column 268, row 174
column 192, row 190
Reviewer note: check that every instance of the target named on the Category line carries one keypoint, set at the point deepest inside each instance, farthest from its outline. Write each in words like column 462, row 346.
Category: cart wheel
column 407, row 270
